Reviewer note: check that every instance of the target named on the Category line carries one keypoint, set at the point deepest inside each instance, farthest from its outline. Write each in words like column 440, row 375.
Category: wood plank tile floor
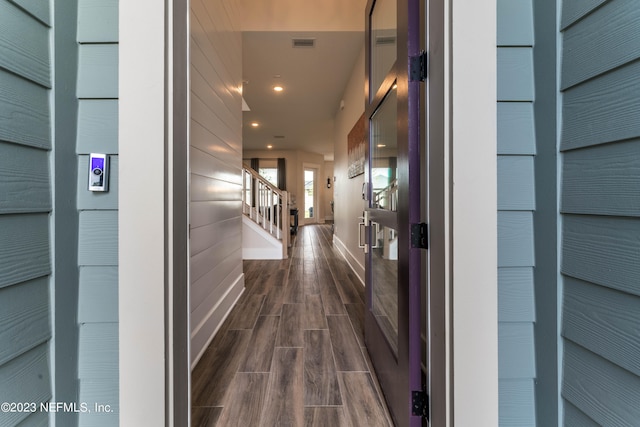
column 291, row 353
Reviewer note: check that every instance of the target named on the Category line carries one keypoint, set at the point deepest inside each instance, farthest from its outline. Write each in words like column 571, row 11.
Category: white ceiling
column 314, row 79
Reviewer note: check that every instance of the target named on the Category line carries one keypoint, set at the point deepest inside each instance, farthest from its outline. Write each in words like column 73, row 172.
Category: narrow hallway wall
column 215, row 156
column 348, row 192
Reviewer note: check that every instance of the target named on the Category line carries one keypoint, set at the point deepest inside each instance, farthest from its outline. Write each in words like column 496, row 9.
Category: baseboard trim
column 355, row 265
column 232, row 295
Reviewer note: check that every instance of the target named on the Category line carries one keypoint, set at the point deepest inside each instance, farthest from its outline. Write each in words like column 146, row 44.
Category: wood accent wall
column 25, row 207
column 600, row 206
column 516, row 207
column 217, row 279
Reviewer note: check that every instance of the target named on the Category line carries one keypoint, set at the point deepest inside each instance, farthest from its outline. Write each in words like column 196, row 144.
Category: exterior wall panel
column 516, row 205
column 601, row 224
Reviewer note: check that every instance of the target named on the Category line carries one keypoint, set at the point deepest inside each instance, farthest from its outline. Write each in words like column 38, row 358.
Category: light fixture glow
column 381, row 145
column 278, row 88
column 255, row 124
column 269, row 146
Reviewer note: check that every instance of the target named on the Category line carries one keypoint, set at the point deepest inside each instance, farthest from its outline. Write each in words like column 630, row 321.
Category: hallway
column 292, row 351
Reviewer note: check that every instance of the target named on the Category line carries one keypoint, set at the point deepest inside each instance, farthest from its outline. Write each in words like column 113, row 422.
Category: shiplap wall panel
column 98, row 350
column 39, row 419
column 209, row 213
column 98, row 238
column 39, row 9
column 25, row 379
column 611, row 327
column 515, row 74
column 201, row 336
column 205, row 140
column 515, row 403
column 611, row 34
column 574, row 417
column 203, row 80
column 603, row 250
column 516, row 187
column 213, row 32
column 24, row 179
column 515, row 23
column 213, row 296
column 223, row 230
column 573, row 10
column 25, row 251
column 96, row 199
column 605, row 392
column 24, row 112
column 24, row 317
column 516, row 295
column 209, row 281
column 216, row 175
column 205, row 261
column 97, row 21
column 101, row 392
column 207, row 119
column 602, row 180
column 97, row 126
column 516, row 128
column 207, row 189
column 98, row 295
column 98, row 71
column 602, row 110
column 515, row 239
column 516, row 350
column 204, row 164
column 24, row 44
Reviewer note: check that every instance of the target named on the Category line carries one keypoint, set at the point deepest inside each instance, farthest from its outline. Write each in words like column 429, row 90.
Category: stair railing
column 266, row 205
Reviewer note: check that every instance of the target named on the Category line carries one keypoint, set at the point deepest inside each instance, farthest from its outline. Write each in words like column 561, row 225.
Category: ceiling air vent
column 278, row 136
column 382, row 40
column 304, row 43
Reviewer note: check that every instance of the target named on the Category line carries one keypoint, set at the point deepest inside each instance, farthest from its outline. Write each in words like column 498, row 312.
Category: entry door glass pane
column 384, row 239
column 309, row 181
column 384, row 154
column 384, row 265
column 383, row 42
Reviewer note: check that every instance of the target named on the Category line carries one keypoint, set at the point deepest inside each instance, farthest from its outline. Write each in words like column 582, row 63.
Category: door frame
column 316, row 193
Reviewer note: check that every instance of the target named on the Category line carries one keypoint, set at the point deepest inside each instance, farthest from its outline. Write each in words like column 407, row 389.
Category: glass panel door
column 392, row 177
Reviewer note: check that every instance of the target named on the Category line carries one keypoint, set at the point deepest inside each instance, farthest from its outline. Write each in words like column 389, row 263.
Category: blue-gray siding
column 97, row 131
column 216, row 166
column 516, row 206
column 25, row 206
column 601, row 212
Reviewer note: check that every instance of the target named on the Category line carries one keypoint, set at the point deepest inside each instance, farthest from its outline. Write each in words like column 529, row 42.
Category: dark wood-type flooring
column 292, row 351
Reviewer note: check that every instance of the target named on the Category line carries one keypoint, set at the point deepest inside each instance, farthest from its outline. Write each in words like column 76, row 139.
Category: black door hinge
column 420, row 236
column 418, row 67
column 420, row 404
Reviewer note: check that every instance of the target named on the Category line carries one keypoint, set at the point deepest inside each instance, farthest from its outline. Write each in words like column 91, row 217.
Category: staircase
column 265, row 222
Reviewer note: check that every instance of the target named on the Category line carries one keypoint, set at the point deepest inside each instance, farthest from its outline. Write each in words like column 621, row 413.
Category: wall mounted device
column 98, row 172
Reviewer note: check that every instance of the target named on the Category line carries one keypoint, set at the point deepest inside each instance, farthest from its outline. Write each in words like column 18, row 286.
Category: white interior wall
column 347, row 193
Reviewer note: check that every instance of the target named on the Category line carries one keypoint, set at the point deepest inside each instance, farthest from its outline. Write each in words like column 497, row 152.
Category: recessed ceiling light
column 269, row 146
column 255, row 124
column 278, row 88
column 381, row 145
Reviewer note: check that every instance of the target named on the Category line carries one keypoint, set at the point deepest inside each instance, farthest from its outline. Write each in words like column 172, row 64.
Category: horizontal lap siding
column 601, row 212
column 25, row 206
column 516, row 203
column 216, row 165
column 97, row 131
